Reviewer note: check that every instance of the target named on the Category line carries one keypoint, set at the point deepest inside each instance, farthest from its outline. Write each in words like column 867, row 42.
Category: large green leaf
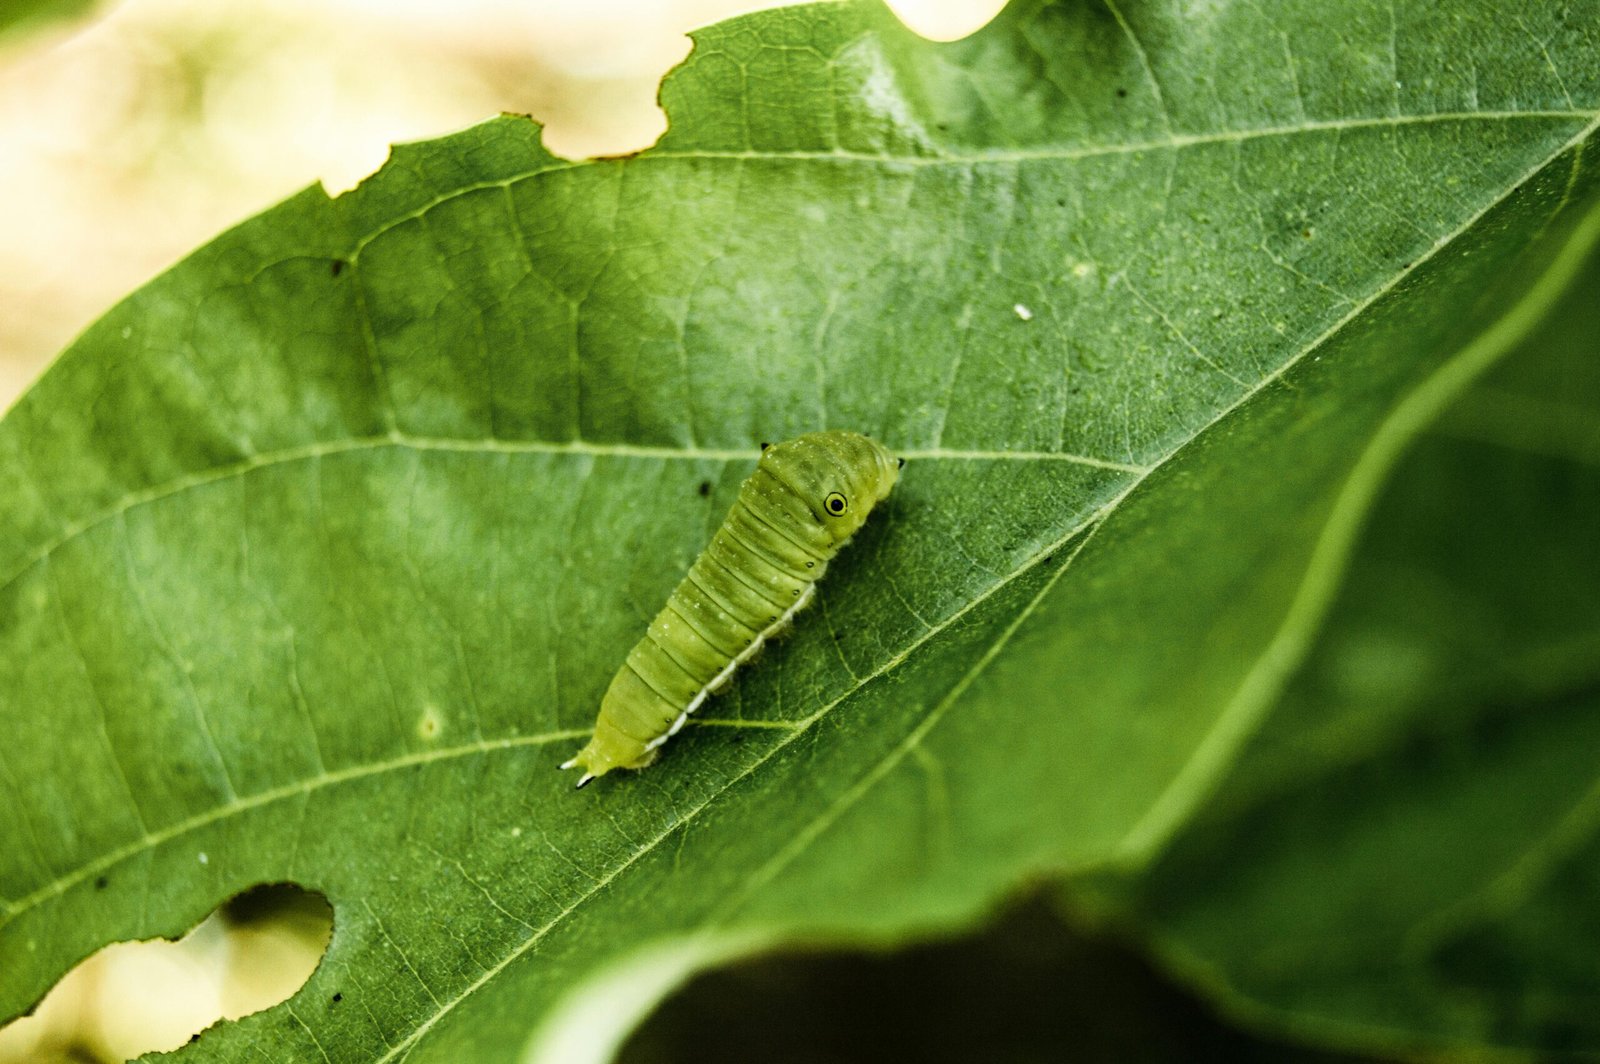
column 318, row 552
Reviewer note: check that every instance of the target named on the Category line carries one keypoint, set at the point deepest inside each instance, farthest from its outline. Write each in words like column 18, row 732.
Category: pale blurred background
column 130, row 138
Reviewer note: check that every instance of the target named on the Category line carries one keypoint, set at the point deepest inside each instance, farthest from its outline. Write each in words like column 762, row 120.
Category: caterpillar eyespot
column 805, row 500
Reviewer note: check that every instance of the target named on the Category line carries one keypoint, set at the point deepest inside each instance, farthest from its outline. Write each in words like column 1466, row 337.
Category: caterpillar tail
column 595, row 765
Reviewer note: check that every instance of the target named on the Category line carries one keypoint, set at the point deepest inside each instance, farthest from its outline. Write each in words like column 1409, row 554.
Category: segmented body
column 805, row 500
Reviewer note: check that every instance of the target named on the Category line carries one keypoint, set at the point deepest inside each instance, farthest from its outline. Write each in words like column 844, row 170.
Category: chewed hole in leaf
column 130, row 998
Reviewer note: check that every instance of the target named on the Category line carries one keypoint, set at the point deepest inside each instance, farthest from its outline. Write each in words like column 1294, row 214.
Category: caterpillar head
column 839, row 475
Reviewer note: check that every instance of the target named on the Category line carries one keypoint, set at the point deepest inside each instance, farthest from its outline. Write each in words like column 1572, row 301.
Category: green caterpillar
column 805, row 500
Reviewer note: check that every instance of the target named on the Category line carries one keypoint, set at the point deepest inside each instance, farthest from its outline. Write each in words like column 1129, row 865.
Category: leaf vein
column 299, row 787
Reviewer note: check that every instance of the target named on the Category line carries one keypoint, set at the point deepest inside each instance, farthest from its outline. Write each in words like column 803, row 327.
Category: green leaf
column 317, row 553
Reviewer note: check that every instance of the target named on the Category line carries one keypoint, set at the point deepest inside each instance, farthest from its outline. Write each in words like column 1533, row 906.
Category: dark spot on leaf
column 1122, row 94
column 194, row 1038
column 338, row 266
column 1048, row 558
column 705, row 487
column 338, row 998
column 101, row 883
column 764, row 446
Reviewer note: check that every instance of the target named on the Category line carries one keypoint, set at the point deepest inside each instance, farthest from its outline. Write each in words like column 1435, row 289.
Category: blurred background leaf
column 1408, row 846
